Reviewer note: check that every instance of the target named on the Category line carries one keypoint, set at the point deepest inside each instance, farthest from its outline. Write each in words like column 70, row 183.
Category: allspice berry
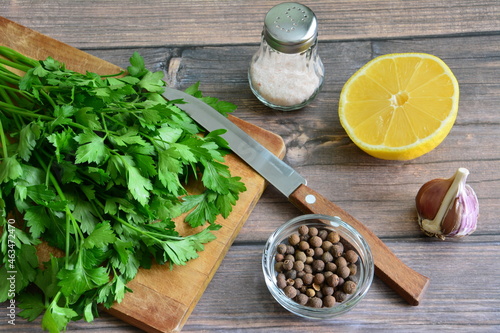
column 300, row 256
column 323, row 233
column 315, row 241
column 313, row 231
column 302, row 299
column 298, row 283
column 290, row 291
column 327, row 245
column 287, row 264
column 310, row 292
column 340, row 261
column 336, row 250
column 351, row 256
column 303, row 245
column 298, row 266
column 294, row 239
column 353, row 268
column 308, row 279
column 332, row 280
column 327, row 291
column 281, row 248
column 333, row 237
column 303, row 230
column 343, row 271
column 349, row 287
column 340, row 296
column 319, row 279
column 318, row 265
column 329, row 301
column 315, row 302
column 327, row 257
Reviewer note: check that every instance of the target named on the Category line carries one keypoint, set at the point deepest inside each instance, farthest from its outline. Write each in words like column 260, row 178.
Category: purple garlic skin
column 447, row 207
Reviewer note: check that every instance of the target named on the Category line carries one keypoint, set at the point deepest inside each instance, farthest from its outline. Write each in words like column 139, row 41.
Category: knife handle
column 408, row 283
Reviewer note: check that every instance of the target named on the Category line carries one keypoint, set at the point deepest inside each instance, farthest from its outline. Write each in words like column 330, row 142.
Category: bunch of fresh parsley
column 97, row 166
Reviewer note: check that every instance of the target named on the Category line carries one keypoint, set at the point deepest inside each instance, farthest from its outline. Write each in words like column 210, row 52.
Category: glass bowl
column 351, row 239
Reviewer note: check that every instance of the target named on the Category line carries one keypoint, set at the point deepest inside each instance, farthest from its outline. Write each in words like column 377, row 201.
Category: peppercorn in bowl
column 317, row 266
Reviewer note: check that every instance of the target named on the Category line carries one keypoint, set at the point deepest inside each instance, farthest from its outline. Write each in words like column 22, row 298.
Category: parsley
column 97, row 166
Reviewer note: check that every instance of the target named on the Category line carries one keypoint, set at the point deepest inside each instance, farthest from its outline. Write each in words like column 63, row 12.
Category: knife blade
column 408, row 283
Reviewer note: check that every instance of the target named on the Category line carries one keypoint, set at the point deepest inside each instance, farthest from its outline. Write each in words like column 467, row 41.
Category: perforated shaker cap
column 290, row 27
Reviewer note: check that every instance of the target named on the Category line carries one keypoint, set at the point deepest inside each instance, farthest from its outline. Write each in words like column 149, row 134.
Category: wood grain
column 104, row 24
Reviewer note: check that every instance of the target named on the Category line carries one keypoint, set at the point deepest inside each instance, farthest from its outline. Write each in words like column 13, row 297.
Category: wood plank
column 451, row 303
column 104, row 24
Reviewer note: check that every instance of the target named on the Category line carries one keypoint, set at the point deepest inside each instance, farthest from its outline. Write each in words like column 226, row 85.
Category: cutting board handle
column 389, row 268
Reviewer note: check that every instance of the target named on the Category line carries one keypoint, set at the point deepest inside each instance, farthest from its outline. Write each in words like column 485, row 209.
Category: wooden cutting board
column 162, row 299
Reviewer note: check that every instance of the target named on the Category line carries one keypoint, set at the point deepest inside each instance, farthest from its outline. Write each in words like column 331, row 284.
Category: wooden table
column 212, row 42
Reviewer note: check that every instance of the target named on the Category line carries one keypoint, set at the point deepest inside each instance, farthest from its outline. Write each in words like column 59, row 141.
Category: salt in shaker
column 286, row 73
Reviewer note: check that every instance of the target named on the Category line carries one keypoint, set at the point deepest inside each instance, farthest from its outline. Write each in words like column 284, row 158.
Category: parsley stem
column 14, row 65
column 18, row 57
column 23, row 112
column 3, row 140
column 150, row 234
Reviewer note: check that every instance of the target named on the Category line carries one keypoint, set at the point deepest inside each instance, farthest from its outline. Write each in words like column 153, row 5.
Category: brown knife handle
column 405, row 281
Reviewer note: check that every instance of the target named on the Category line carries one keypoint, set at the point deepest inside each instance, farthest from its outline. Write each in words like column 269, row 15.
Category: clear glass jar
column 286, row 73
column 352, row 239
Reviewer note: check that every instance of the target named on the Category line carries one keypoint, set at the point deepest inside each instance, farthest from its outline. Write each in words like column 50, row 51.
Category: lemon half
column 399, row 106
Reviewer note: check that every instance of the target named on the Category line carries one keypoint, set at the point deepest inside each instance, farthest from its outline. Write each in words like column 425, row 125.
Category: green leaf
column 10, row 169
column 130, row 137
column 79, row 279
column 63, row 142
column 181, row 251
column 40, row 194
column 46, row 279
column 101, row 236
column 37, row 220
column 84, row 213
column 56, row 318
column 146, row 165
column 26, row 266
column 27, row 139
column 152, row 82
column 136, row 68
column 88, row 314
column 31, row 176
column 64, row 111
column 168, row 173
column 138, row 185
column 214, row 177
column 204, row 209
column 168, row 135
column 88, row 118
column 32, row 305
column 91, row 149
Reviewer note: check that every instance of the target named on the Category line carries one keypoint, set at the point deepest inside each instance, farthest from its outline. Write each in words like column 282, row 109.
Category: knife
column 408, row 283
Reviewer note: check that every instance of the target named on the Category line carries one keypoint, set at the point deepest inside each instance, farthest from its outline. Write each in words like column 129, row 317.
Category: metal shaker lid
column 290, row 27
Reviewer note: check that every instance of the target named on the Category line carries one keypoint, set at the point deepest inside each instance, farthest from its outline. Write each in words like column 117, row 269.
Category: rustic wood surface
column 212, row 42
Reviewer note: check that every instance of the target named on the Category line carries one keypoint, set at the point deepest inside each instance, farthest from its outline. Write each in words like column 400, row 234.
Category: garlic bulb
column 447, row 207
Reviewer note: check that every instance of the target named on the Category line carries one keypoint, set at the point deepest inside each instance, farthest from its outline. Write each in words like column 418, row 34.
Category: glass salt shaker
column 286, row 73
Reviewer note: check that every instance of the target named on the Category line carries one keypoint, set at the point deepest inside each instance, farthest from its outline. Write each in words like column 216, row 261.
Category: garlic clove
column 447, row 207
